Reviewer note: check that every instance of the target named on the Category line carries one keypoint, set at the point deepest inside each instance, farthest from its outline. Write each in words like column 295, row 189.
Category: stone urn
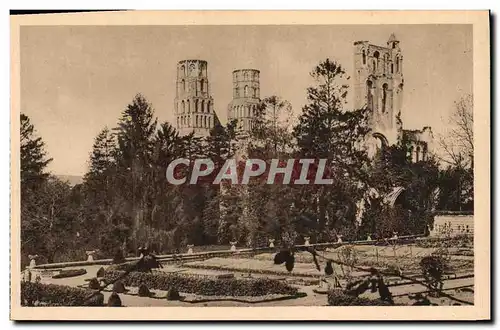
column 339, row 238
column 32, row 260
column 271, row 242
column 369, row 238
column 90, row 255
column 307, row 239
column 233, row 246
column 190, row 248
column 394, row 235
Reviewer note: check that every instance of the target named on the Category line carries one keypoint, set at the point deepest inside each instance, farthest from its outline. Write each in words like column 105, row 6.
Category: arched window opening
column 196, row 106
column 183, row 83
column 392, row 68
column 364, row 57
column 384, row 97
column 202, row 85
column 183, row 107
column 189, row 120
column 245, row 76
column 410, row 152
column 369, row 93
column 209, row 107
column 202, row 106
column 397, row 64
column 206, row 124
column 254, row 92
column 188, row 106
column 246, row 91
column 376, row 56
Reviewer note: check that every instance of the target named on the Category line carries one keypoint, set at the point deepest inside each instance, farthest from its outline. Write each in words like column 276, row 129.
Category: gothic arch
column 381, row 137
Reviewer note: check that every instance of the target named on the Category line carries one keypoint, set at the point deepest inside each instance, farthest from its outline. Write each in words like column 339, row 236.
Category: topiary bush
column 144, row 291
column 114, row 300
column 205, row 286
column 119, row 287
column 94, row 284
column 100, row 272
column 173, row 294
column 338, row 297
column 70, row 273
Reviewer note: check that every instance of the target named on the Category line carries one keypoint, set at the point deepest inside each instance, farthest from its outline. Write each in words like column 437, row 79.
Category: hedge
column 52, row 295
column 337, row 297
column 205, row 286
column 70, row 273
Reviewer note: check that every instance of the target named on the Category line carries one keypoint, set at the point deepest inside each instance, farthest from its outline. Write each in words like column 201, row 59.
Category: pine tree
column 328, row 131
column 135, row 134
column 34, row 158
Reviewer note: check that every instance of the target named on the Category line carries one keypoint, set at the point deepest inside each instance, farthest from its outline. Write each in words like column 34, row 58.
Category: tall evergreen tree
column 327, row 131
column 34, row 159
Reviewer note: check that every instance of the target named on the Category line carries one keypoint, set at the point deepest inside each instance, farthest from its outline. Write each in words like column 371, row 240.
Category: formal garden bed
column 204, row 286
column 38, row 294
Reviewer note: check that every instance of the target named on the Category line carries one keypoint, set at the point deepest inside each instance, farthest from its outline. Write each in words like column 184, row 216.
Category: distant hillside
column 71, row 179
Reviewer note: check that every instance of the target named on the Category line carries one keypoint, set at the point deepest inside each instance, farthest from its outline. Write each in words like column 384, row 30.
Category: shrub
column 144, row 291
column 94, row 284
column 52, row 295
column 119, row 287
column 338, row 297
column 173, row 294
column 114, row 300
column 70, row 273
column 100, row 272
column 205, row 286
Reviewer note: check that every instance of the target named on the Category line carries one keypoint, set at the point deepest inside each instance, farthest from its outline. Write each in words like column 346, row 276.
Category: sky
column 75, row 80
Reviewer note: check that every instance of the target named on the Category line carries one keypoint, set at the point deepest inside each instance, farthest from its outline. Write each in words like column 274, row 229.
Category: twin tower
column 194, row 106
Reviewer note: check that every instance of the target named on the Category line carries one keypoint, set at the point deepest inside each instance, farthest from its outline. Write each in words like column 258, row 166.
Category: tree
column 458, row 152
column 34, row 158
column 135, row 132
column 327, row 131
column 48, row 225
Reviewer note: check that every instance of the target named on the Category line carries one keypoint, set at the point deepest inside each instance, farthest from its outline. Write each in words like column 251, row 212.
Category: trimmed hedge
column 205, row 286
column 52, row 295
column 70, row 273
column 338, row 297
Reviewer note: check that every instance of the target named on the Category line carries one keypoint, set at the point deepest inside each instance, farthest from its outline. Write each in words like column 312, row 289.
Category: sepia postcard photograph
column 311, row 165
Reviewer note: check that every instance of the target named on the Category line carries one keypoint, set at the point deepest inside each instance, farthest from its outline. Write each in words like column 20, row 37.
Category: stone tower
column 378, row 85
column 246, row 97
column 193, row 103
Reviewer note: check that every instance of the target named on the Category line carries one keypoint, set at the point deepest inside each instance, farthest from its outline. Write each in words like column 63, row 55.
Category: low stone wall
column 453, row 223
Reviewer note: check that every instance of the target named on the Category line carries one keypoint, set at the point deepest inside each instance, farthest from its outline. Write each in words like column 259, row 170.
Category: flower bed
column 339, row 298
column 205, row 286
column 33, row 294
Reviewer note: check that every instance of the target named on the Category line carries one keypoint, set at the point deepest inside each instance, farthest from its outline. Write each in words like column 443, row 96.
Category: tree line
column 126, row 202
